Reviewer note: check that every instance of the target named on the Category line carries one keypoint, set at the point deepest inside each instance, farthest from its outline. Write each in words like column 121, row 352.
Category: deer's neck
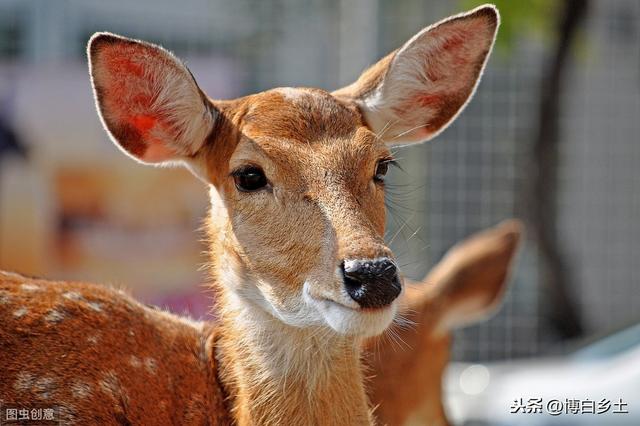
column 278, row 374
column 274, row 373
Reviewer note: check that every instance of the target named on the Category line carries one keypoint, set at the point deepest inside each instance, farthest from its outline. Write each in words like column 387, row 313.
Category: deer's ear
column 415, row 92
column 471, row 279
column 147, row 99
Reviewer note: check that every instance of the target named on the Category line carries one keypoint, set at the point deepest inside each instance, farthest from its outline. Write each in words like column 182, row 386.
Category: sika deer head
column 296, row 175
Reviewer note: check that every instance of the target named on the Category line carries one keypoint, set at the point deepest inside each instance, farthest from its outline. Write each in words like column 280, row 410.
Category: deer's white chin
column 355, row 322
column 344, row 316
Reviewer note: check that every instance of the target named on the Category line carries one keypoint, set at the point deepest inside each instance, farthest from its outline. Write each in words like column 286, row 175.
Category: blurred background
column 552, row 136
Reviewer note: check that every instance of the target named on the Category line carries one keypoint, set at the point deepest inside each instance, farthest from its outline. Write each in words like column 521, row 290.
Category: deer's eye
column 381, row 170
column 249, row 179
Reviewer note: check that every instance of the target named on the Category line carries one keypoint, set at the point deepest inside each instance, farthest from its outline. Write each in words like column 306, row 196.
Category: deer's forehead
column 344, row 155
column 305, row 115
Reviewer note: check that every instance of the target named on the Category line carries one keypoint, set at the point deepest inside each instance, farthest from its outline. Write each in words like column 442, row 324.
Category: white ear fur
column 421, row 88
column 147, row 99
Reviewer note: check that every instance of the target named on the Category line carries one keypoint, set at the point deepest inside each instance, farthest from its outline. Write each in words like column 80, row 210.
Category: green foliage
column 521, row 18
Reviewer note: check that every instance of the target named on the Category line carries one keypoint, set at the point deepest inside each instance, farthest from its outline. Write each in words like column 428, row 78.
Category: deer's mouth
column 321, row 299
column 349, row 318
column 352, row 308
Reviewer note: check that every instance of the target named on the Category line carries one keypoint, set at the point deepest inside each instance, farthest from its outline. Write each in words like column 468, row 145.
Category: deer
column 404, row 380
column 302, row 277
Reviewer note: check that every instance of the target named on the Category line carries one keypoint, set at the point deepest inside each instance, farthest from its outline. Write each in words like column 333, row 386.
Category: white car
column 598, row 384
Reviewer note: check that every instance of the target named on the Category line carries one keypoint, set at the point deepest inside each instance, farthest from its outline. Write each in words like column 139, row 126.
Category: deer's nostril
column 373, row 283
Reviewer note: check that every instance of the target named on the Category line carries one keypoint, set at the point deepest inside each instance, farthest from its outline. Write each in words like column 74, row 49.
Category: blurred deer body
column 300, row 270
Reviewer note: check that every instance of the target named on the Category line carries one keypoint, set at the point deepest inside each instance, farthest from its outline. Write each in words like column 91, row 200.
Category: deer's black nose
column 373, row 283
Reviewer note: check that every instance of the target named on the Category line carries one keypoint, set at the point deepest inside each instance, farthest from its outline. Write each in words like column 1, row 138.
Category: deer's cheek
column 375, row 210
column 281, row 248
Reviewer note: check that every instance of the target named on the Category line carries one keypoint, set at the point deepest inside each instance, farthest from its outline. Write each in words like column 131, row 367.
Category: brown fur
column 102, row 357
column 287, row 347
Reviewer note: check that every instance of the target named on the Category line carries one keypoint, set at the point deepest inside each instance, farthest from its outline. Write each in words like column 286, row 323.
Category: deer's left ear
column 415, row 92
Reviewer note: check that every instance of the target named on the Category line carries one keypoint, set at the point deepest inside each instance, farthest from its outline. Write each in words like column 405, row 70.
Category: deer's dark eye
column 249, row 179
column 381, row 170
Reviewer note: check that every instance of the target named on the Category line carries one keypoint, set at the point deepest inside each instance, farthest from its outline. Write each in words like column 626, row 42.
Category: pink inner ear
column 420, row 100
column 148, row 100
column 129, row 94
column 143, row 123
column 454, row 41
column 158, row 152
column 123, row 65
column 427, row 99
column 454, row 47
column 121, row 70
column 450, row 61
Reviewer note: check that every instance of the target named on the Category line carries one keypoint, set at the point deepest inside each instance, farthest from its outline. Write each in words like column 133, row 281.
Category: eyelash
column 378, row 177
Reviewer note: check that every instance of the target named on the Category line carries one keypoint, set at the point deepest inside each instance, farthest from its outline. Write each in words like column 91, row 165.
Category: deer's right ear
column 148, row 100
column 415, row 92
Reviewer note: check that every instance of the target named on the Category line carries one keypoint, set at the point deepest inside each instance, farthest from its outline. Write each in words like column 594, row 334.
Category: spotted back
column 99, row 357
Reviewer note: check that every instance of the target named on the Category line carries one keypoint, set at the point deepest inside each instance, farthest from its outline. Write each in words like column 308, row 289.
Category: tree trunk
column 542, row 199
